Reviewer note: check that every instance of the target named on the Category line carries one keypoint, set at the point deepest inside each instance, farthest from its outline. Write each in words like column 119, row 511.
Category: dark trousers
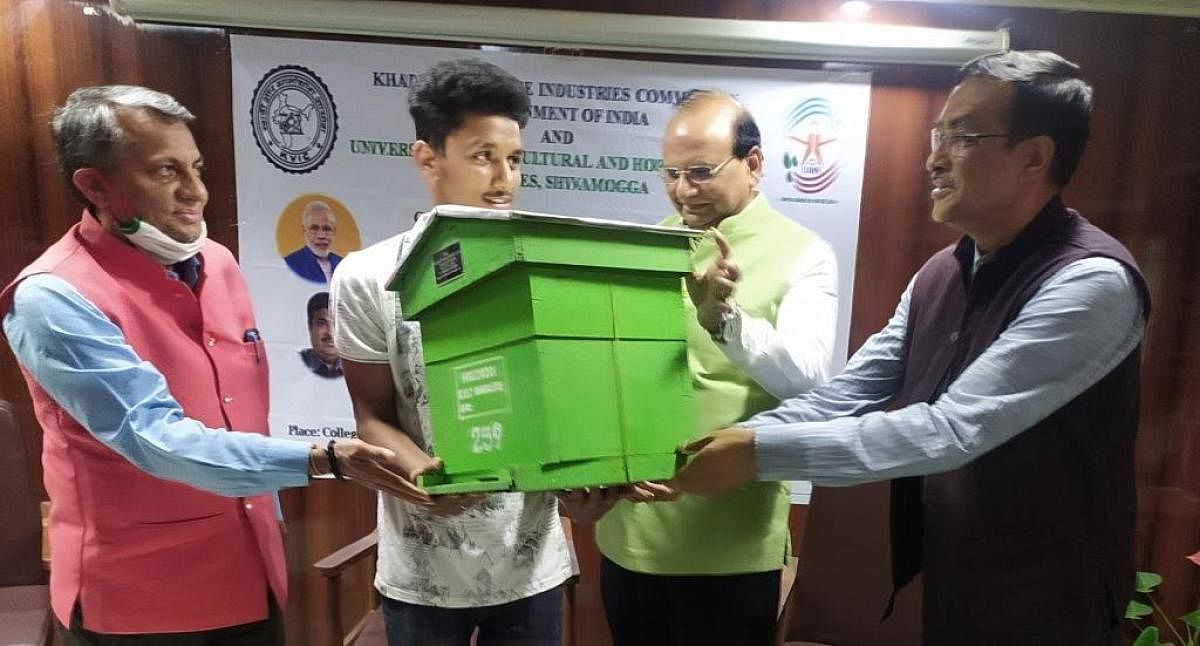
column 724, row 610
column 268, row 632
column 532, row 621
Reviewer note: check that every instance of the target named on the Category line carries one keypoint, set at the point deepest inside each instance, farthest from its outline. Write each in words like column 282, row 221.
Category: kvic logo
column 812, row 154
column 294, row 119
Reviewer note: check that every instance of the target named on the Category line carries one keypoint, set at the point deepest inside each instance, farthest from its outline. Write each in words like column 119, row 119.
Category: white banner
column 327, row 121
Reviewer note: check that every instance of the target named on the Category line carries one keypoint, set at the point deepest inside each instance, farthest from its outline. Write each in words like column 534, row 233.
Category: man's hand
column 721, row 461
column 711, row 290
column 397, row 460
column 375, row 468
column 652, row 491
column 455, row 504
column 413, row 462
column 589, row 504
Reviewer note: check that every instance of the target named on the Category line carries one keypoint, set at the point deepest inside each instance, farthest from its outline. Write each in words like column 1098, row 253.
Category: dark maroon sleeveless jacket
column 1031, row 543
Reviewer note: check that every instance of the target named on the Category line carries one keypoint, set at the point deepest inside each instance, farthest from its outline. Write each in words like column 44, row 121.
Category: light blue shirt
column 1081, row 323
column 81, row 359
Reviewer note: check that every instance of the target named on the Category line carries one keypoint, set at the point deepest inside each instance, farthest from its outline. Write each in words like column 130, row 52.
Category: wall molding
column 788, row 40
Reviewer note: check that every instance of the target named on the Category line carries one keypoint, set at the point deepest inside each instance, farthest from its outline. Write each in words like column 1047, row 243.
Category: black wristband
column 333, row 465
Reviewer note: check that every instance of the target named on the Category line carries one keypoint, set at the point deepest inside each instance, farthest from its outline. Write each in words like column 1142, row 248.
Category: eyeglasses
column 320, row 228
column 959, row 143
column 694, row 174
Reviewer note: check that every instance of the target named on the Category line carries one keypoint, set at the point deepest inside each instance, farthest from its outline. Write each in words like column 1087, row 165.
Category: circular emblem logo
column 812, row 156
column 294, row 119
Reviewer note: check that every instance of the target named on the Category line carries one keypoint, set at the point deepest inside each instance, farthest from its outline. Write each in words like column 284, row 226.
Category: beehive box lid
column 426, row 230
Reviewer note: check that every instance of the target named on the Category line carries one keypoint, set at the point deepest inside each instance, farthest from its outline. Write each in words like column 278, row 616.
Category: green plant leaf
column 1192, row 619
column 1137, row 610
column 1148, row 637
column 1147, row 581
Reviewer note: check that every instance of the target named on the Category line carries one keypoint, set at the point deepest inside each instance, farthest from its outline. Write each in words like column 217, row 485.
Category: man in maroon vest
column 137, row 340
column 1002, row 397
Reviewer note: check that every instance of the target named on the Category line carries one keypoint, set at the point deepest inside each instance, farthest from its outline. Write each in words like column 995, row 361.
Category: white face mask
column 164, row 248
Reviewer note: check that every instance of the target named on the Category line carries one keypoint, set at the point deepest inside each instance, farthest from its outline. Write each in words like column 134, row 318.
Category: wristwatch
column 729, row 328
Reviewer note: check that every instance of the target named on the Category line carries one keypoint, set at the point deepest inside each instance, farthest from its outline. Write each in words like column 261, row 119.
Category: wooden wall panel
column 23, row 229
column 58, row 46
column 1140, row 180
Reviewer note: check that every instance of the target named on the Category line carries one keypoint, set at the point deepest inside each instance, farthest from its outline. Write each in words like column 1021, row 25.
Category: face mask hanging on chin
column 165, row 249
column 147, row 237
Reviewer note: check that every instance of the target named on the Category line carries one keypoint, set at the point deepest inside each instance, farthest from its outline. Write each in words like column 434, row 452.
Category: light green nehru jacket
column 745, row 530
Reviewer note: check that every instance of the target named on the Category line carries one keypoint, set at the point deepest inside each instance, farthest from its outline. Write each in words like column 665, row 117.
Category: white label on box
column 481, row 388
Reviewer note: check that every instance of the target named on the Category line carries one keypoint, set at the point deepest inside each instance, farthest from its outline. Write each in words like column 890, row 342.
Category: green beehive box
column 555, row 348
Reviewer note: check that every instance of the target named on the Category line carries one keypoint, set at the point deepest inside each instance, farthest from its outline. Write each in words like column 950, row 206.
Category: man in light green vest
column 707, row 570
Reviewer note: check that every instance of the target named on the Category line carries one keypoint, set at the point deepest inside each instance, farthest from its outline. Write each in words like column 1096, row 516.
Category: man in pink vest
column 139, row 345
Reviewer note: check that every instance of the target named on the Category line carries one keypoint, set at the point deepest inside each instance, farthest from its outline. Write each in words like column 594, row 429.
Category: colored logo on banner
column 812, row 156
column 294, row 119
column 315, row 227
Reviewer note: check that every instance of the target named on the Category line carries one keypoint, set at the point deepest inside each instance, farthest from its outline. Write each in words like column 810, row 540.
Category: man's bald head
column 720, row 109
column 711, row 129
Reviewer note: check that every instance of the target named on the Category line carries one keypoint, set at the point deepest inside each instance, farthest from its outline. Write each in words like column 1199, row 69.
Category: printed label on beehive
column 447, row 264
column 481, row 388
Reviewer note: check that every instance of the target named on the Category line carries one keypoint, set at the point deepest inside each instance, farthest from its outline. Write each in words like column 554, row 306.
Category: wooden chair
column 24, row 595
column 369, row 630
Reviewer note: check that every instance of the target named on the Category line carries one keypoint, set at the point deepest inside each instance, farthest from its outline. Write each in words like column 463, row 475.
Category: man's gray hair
column 86, row 131
column 314, row 207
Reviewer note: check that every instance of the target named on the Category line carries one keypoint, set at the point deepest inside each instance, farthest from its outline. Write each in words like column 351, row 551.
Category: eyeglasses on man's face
column 959, row 142
column 698, row 174
column 319, row 228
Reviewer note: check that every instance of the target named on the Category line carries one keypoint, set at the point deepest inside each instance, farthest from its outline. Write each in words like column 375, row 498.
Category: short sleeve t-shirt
column 509, row 546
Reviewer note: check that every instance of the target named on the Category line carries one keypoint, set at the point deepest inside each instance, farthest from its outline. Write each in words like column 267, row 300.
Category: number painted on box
column 485, row 439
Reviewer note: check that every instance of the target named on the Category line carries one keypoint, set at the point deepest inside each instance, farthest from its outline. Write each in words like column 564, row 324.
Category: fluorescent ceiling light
column 855, row 9
column 855, row 42
column 1179, row 8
